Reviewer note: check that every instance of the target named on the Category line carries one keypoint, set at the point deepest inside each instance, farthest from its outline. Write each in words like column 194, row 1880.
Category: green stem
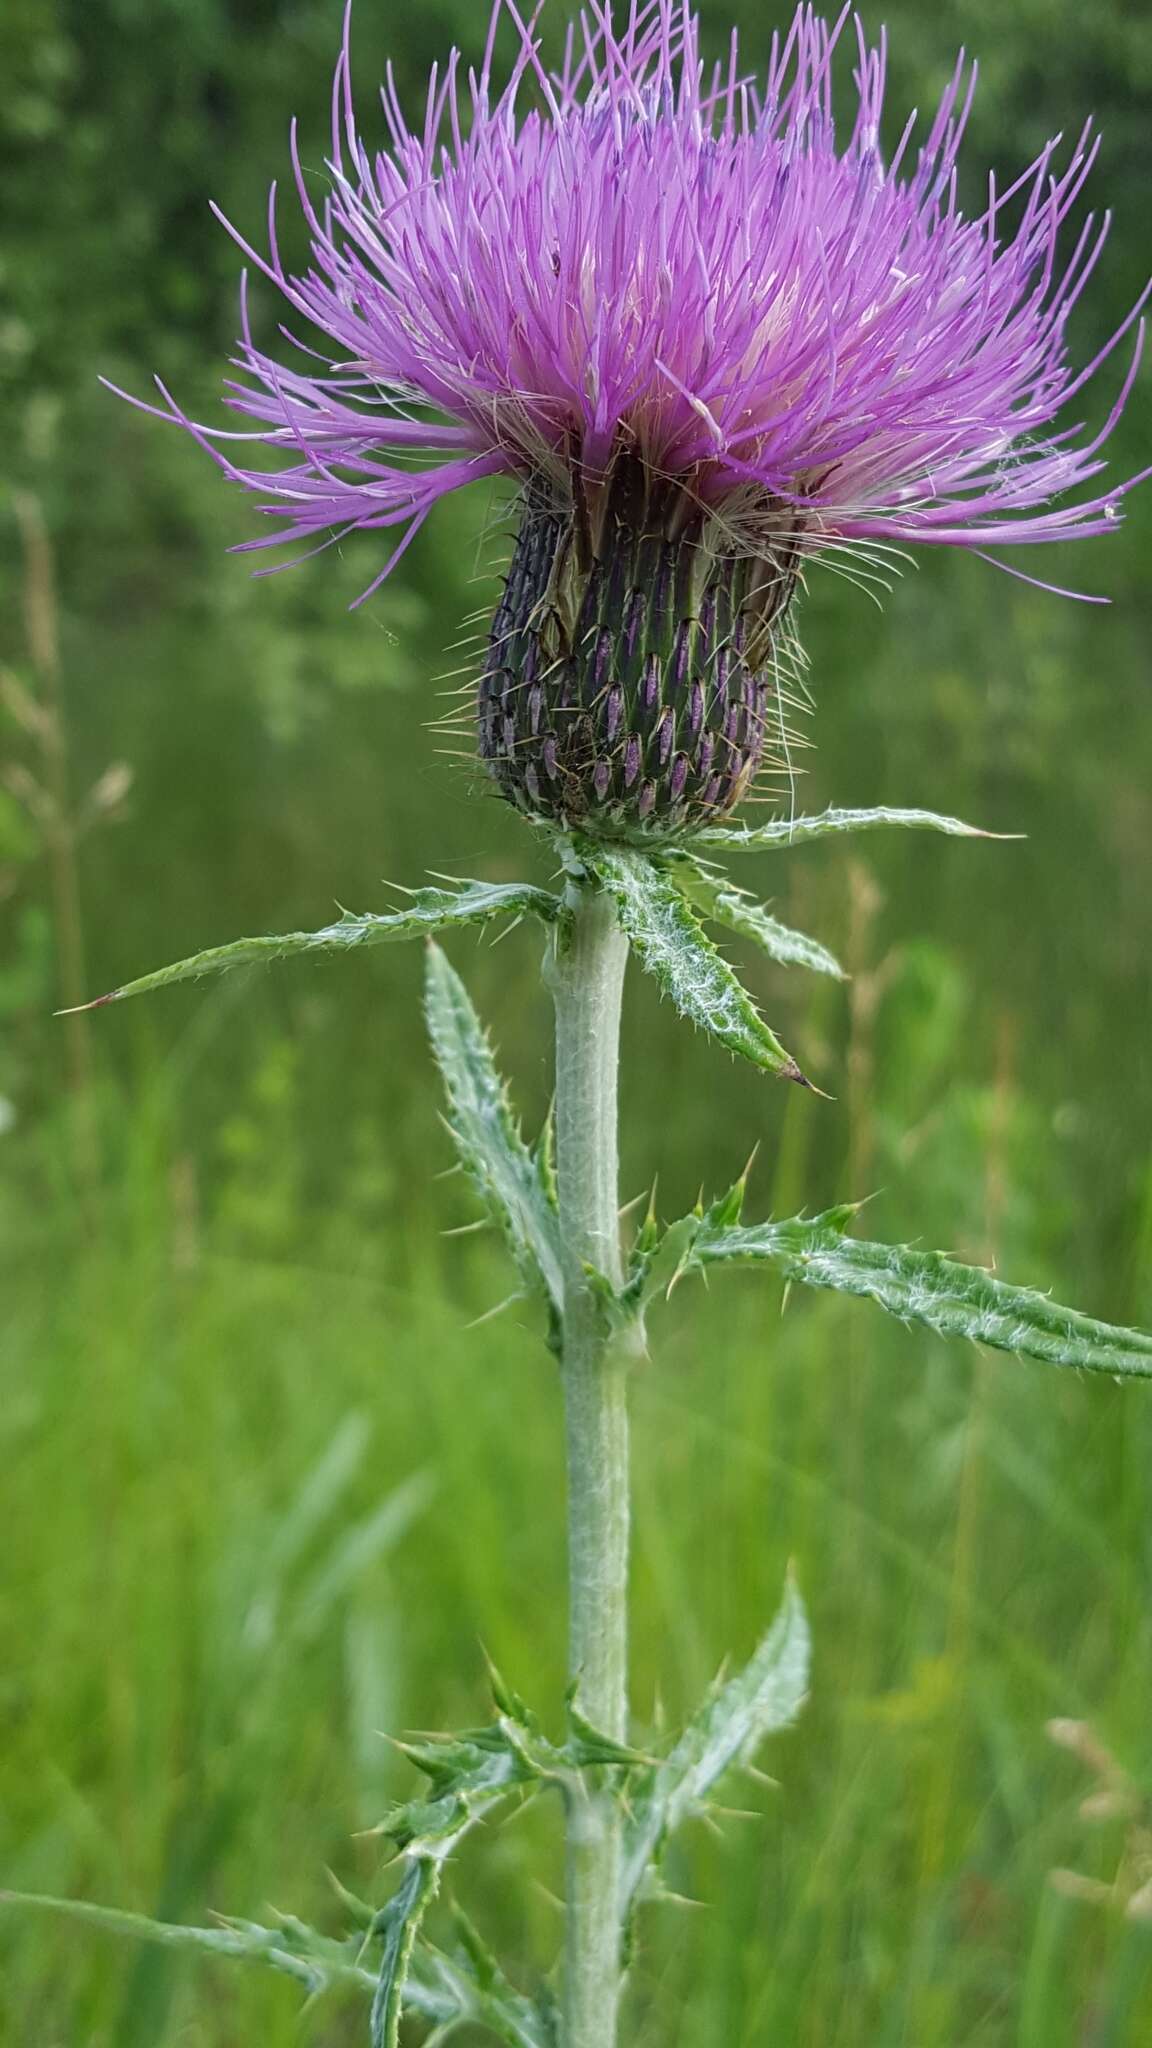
column 587, row 974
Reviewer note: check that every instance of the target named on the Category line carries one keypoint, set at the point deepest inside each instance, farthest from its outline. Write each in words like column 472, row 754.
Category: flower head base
column 793, row 344
column 627, row 683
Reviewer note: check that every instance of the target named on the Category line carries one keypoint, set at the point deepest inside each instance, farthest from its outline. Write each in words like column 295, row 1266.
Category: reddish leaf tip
column 97, row 1003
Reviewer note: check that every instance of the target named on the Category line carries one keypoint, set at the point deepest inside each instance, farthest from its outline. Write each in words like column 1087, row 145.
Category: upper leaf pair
column 660, row 897
column 427, row 910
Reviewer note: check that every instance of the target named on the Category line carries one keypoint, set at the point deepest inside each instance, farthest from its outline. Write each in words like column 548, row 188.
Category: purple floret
column 638, row 251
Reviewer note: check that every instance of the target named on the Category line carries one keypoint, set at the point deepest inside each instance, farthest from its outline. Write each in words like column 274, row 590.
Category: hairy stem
column 587, row 974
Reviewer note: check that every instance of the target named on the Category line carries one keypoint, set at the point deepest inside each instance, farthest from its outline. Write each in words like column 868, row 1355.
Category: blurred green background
column 264, row 1492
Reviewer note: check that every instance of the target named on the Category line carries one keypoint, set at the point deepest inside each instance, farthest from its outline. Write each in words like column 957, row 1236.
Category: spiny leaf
column 588, row 1745
column 661, row 1257
column 671, row 943
column 795, row 831
column 359, row 1912
column 436, row 1988
column 490, row 1145
column 290, row 1948
column 397, row 1926
column 657, row 1266
column 427, row 910
column 766, row 1695
column 718, row 899
column 509, row 1702
column 925, row 1287
column 472, row 1772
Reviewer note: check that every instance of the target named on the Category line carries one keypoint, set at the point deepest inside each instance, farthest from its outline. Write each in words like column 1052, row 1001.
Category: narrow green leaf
column 427, row 910
column 435, row 1988
column 509, row 1703
column 544, row 1154
column 825, row 824
column 359, row 1912
column 397, row 1926
column 291, row 1949
column 716, row 898
column 671, row 943
column 479, row 1960
column 765, row 1696
column 925, row 1287
column 490, row 1145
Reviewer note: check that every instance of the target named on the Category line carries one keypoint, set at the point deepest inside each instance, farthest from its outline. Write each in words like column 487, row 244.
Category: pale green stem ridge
column 587, row 963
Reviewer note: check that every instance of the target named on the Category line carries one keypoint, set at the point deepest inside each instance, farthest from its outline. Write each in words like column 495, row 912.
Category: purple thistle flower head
column 709, row 338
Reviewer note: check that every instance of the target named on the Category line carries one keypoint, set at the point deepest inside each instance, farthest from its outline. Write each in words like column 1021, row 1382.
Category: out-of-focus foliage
column 218, row 1208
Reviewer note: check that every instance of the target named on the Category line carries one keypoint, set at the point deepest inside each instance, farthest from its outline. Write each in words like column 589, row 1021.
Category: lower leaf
column 925, row 1287
column 290, row 1948
column 762, row 1698
column 445, row 1991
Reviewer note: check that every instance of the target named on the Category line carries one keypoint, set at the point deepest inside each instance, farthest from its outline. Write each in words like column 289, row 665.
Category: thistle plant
column 711, row 343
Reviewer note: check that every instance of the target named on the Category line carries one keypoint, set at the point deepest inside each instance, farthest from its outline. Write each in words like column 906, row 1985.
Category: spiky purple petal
column 636, row 251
